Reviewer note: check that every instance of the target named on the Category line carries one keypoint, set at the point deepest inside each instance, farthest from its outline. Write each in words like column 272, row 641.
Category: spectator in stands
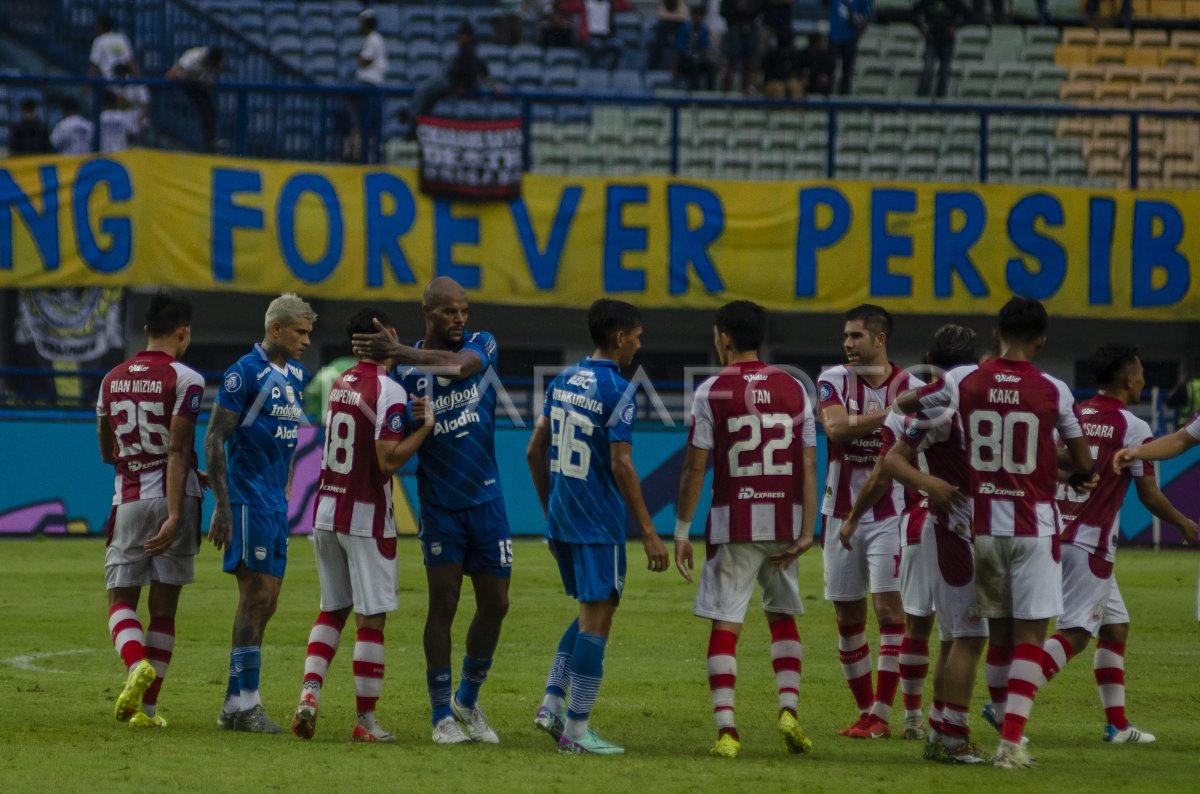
column 72, row 135
column 783, row 70
column 815, row 58
column 777, row 18
column 556, row 28
column 30, row 134
column 741, row 41
column 110, row 48
column 848, row 20
column 694, row 62
column 198, row 69
column 672, row 16
column 465, row 75
column 371, row 72
column 600, row 45
column 129, row 95
column 938, row 21
column 117, row 125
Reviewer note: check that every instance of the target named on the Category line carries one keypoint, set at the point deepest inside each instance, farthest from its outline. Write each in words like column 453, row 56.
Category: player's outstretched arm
column 537, row 457
column 182, row 438
column 841, row 427
column 384, row 344
column 877, row 484
column 1158, row 504
column 631, row 491
column 393, row 454
column 221, row 425
column 104, row 437
column 1163, row 448
column 900, row 463
column 695, row 461
column 808, row 523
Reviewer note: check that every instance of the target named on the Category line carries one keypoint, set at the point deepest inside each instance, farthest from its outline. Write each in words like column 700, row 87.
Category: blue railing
column 257, row 118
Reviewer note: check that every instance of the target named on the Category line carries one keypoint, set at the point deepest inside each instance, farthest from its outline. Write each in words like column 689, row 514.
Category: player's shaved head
column 441, row 290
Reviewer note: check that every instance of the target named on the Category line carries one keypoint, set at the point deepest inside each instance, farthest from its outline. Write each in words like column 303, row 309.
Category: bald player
column 464, row 528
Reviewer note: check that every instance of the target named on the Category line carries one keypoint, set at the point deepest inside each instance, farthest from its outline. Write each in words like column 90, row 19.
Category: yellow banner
column 148, row 217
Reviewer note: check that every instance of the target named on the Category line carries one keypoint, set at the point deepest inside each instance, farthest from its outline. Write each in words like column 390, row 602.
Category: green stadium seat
column 919, row 166
column 1041, row 35
column 1038, row 53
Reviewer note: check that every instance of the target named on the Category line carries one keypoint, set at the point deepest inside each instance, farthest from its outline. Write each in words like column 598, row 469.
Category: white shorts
column 949, row 560
column 356, row 571
column 126, row 563
column 874, row 561
column 915, row 592
column 1018, row 577
column 728, row 578
column 1091, row 597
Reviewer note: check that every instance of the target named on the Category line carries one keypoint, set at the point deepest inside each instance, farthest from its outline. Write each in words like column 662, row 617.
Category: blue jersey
column 269, row 401
column 456, row 465
column 589, row 407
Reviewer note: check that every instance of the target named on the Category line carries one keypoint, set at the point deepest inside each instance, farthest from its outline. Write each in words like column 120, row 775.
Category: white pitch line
column 28, row 661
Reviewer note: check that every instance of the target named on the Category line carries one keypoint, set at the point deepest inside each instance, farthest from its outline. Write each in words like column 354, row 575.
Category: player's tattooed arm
column 384, row 344
column 691, row 482
column 220, row 427
column 104, row 436
column 630, row 487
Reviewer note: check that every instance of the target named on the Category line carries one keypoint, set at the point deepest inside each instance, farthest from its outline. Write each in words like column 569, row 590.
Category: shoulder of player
column 1135, row 426
column 906, row 379
column 835, row 374
column 185, row 373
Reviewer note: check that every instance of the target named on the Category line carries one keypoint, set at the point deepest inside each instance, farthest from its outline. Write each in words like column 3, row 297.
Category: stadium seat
column 1042, row 35
column 1038, row 53
column 1183, row 96
column 1079, row 37
column 1161, row 76
column 1108, row 55
column 1112, row 94
column 1177, row 57
column 625, row 81
column 1148, row 94
column 525, row 53
column 1188, row 39
column 1122, row 74
column 1072, row 55
column 563, row 56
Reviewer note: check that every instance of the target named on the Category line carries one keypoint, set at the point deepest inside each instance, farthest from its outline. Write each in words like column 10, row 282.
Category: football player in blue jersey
column 249, row 447
column 464, row 528
column 580, row 457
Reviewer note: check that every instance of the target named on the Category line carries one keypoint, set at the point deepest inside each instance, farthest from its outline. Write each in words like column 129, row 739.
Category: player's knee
column 495, row 608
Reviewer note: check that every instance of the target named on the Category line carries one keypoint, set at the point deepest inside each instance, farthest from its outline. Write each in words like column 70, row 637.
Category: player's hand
column 220, row 527
column 945, row 497
column 784, row 557
column 1189, row 531
column 422, row 415
column 846, row 534
column 377, row 346
column 683, row 558
column 203, row 477
column 656, row 553
column 1123, row 459
column 165, row 537
column 1088, row 485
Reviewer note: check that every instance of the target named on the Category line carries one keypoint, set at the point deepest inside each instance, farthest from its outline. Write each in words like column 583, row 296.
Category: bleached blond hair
column 287, row 309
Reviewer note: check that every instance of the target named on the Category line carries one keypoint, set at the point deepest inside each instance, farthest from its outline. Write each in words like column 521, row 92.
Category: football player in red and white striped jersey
column 1092, row 601
column 146, row 425
column 853, row 401
column 354, row 528
column 757, row 423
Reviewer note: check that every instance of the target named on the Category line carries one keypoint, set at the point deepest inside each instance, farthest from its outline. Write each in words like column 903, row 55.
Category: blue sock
column 474, row 673
column 587, row 670
column 232, row 690
column 248, row 662
column 556, row 682
column 438, row 682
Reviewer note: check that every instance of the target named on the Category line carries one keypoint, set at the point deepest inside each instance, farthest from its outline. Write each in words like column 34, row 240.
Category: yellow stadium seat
column 1112, row 128
column 1183, row 96
column 1148, row 94
column 1077, row 93
column 1187, row 76
column 1141, row 9
column 1152, row 129
column 1112, row 94
column 1191, row 9
column 1113, row 38
column 1108, row 55
column 1189, row 39
column 1166, row 9
column 1079, row 37
column 1101, row 148
column 1177, row 57
column 1142, row 57
column 1122, row 74
column 1087, row 73
column 1149, row 38
column 1078, row 127
column 1072, row 55
column 1164, row 76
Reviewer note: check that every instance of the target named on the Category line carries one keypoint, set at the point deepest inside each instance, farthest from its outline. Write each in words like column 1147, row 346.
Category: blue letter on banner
column 1153, row 252
column 619, row 238
column 117, row 256
column 1101, row 212
column 885, row 245
column 227, row 216
column 952, row 249
column 42, row 226
column 447, row 231
column 1050, row 255
column 289, row 197
column 691, row 245
column 384, row 230
column 810, row 238
column 543, row 264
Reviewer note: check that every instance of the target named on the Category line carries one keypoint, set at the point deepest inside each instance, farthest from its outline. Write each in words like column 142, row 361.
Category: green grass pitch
column 59, row 675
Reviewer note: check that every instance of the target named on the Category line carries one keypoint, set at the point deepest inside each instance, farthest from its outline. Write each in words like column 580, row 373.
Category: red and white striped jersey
column 850, row 463
column 1010, row 411
column 756, row 421
column 138, row 399
column 916, row 506
column 1091, row 520
column 355, row 496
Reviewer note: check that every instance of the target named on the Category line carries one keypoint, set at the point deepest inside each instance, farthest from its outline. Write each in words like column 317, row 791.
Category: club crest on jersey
column 275, row 393
column 290, row 392
column 874, row 406
column 233, row 381
column 395, row 423
column 435, row 549
column 260, row 553
column 627, row 414
column 826, row 392
column 194, row 401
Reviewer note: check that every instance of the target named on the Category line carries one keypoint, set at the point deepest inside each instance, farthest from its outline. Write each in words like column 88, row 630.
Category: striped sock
column 787, row 658
column 722, row 678
column 1109, row 667
column 438, row 682
column 856, row 663
column 887, row 678
column 248, row 661
column 954, row 730
column 557, row 681
column 587, row 671
column 160, row 645
column 1025, row 677
column 474, row 673
column 322, row 645
column 126, row 631
column 368, row 672
column 936, row 715
column 1058, row 653
column 995, row 670
column 914, row 667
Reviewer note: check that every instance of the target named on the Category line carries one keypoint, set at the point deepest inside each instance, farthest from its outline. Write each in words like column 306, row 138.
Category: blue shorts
column 259, row 540
column 591, row 572
column 477, row 538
